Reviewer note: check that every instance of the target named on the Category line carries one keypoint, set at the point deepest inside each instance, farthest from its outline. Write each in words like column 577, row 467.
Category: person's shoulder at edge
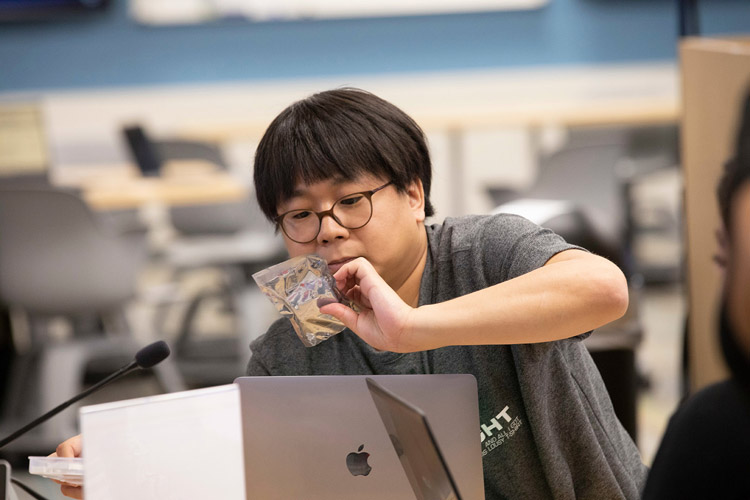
column 701, row 437
column 718, row 400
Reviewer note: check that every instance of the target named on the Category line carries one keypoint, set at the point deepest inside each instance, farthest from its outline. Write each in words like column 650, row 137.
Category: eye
column 351, row 200
column 301, row 215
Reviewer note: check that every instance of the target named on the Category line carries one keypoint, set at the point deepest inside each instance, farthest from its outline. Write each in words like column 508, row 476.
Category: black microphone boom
column 152, row 354
column 147, row 357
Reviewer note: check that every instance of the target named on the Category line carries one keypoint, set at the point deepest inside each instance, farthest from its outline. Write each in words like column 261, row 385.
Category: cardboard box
column 715, row 77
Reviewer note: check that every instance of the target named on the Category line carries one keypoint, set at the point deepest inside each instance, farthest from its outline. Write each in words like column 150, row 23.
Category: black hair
column 344, row 134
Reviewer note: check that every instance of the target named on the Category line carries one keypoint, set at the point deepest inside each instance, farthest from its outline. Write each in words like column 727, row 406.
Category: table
column 117, row 187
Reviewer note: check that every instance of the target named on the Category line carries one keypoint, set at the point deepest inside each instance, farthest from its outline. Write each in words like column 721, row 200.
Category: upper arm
column 513, row 246
column 571, row 254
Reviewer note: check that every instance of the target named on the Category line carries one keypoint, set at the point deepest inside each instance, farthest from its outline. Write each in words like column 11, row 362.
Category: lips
column 335, row 265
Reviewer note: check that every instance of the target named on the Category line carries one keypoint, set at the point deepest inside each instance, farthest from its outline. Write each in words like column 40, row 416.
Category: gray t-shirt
column 547, row 426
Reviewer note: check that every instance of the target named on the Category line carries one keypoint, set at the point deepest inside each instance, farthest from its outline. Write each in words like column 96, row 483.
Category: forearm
column 557, row 301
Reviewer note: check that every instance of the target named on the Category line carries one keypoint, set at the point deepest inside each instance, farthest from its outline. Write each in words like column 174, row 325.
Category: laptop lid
column 142, row 150
column 322, row 437
column 181, row 446
column 415, row 445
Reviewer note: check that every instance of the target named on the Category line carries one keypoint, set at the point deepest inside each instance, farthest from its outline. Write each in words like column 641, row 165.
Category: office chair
column 250, row 248
column 58, row 260
column 233, row 237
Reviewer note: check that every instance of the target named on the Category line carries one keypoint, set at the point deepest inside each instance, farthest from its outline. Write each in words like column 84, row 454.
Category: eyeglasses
column 353, row 211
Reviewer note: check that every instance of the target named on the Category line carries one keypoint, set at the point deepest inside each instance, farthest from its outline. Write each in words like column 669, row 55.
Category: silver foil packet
column 298, row 287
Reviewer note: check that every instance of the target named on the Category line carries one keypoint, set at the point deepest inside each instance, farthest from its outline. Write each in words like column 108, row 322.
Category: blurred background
column 127, row 132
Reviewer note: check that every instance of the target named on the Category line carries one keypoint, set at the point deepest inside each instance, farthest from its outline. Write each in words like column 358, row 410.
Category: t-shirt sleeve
column 512, row 246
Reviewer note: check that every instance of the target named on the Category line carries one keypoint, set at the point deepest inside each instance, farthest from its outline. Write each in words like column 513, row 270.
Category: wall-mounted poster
column 194, row 11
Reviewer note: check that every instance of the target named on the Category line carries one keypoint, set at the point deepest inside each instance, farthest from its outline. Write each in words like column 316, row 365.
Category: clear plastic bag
column 298, row 287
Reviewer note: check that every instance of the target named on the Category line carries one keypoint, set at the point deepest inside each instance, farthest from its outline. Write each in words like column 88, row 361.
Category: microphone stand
column 147, row 357
column 6, row 492
column 54, row 411
column 26, row 489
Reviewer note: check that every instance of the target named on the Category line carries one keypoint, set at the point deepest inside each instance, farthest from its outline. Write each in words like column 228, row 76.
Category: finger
column 343, row 275
column 346, row 283
column 322, row 301
column 70, row 447
column 342, row 313
column 72, row 491
column 355, row 295
column 355, row 271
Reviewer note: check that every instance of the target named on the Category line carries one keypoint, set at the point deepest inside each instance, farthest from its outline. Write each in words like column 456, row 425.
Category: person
column 704, row 451
column 347, row 175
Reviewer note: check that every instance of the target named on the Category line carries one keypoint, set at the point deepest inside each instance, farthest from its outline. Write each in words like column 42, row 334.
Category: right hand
column 69, row 448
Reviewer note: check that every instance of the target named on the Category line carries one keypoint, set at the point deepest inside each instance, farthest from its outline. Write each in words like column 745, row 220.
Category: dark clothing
column 547, row 425
column 705, row 452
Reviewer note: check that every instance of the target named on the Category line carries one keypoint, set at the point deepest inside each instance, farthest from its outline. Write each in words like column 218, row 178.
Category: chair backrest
column 56, row 258
column 215, row 218
column 195, row 220
column 220, row 218
column 175, row 149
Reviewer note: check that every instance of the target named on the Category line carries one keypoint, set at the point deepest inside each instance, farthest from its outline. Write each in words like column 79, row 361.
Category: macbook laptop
column 181, row 446
column 415, row 445
column 323, row 437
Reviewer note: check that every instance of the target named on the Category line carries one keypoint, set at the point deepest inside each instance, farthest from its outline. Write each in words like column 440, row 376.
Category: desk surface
column 113, row 187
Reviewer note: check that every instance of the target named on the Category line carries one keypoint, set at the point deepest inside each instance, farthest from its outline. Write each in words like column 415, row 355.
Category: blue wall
column 109, row 49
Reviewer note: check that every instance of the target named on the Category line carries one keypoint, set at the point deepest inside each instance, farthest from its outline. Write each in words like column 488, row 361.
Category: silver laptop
column 181, row 446
column 415, row 445
column 323, row 437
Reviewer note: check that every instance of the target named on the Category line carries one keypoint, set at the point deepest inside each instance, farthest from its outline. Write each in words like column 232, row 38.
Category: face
column 392, row 240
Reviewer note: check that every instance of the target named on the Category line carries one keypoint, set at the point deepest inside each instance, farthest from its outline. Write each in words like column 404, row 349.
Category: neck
column 409, row 289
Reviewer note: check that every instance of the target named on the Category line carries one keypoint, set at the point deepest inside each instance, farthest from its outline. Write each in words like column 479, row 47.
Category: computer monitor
column 143, row 151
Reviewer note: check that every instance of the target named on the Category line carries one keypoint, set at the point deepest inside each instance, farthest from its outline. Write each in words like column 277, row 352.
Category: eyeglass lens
column 352, row 212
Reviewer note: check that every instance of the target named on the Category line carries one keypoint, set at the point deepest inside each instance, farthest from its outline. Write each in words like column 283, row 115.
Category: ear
column 415, row 193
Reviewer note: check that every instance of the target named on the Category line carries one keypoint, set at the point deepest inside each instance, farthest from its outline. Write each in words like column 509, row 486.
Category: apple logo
column 357, row 462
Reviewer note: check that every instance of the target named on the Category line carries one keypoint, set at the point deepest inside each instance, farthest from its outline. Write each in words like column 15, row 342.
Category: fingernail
column 322, row 301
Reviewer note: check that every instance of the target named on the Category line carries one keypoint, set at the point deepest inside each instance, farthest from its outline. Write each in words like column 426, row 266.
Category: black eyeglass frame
column 367, row 194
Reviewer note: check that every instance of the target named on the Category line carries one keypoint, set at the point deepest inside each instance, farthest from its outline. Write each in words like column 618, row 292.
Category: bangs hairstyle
column 339, row 134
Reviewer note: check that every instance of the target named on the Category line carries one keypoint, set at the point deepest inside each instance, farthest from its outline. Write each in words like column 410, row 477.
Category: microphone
column 151, row 355
column 147, row 357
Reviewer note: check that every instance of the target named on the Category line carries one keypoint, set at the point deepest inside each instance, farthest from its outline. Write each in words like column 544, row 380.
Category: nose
column 331, row 230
